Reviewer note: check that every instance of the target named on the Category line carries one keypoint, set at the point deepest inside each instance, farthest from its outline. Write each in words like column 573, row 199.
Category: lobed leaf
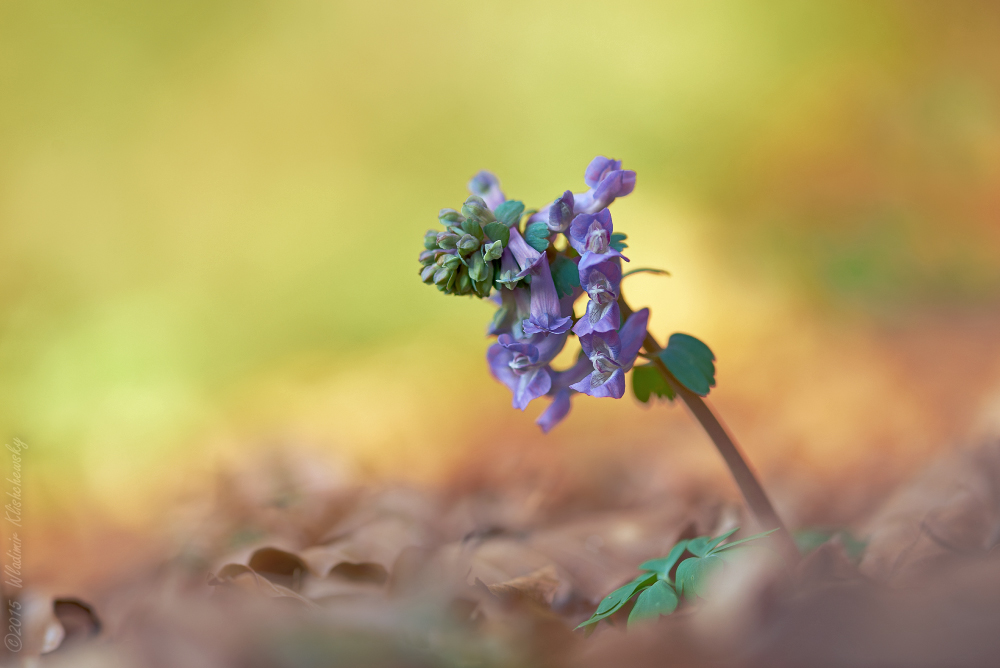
column 565, row 275
column 693, row 574
column 537, row 236
column 498, row 231
column 647, row 381
column 691, row 363
column 658, row 599
column 509, row 213
column 618, row 241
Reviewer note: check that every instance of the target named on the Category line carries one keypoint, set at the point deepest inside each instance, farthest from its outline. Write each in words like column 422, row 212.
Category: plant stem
column 751, row 489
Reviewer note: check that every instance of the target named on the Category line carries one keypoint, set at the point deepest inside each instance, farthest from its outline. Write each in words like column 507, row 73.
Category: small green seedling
column 659, row 593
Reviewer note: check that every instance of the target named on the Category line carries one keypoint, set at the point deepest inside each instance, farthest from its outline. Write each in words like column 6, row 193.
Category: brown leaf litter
column 397, row 576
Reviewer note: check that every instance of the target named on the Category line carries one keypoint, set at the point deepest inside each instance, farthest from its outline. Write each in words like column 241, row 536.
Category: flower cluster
column 535, row 278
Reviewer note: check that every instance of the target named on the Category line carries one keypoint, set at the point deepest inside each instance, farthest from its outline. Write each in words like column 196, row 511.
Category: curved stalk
column 739, row 466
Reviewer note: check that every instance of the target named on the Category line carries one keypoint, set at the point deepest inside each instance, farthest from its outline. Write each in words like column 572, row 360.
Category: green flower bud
column 467, row 244
column 430, row 240
column 463, row 284
column 483, row 286
column 447, row 240
column 443, row 275
column 475, row 207
column 493, row 251
column 477, row 267
column 449, row 261
column 427, row 273
column 450, row 217
column 427, row 257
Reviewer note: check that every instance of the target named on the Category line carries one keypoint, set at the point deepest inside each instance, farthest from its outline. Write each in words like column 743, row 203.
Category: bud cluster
column 464, row 259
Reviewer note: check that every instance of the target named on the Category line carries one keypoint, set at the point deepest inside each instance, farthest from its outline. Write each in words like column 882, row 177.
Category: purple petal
column 601, row 342
column 545, row 308
column 486, row 185
column 632, row 335
column 613, row 387
column 498, row 359
column 530, row 386
column 597, row 168
column 556, row 411
column 580, row 227
column 560, row 213
column 588, row 259
column 598, row 319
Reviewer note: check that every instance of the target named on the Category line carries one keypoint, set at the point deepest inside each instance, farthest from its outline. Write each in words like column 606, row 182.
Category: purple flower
column 545, row 308
column 590, row 235
column 607, row 181
column 486, row 185
column 560, row 213
column 517, row 366
column 527, row 257
column 523, row 365
column 611, row 356
column 601, row 281
column 514, row 306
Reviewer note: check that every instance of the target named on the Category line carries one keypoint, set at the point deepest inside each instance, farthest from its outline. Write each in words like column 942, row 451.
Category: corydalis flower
column 601, row 282
column 590, row 236
column 607, row 181
column 612, row 354
column 523, row 365
column 486, row 185
column 560, row 213
column 545, row 315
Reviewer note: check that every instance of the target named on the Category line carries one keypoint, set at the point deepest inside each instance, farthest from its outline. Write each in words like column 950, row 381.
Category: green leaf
column 647, row 381
column 714, row 543
column 619, row 597
column 693, row 574
column 691, row 362
column 509, row 213
column 497, row 232
column 565, row 275
column 618, row 241
column 663, row 565
column 650, row 270
column 537, row 236
column 659, row 599
column 745, row 540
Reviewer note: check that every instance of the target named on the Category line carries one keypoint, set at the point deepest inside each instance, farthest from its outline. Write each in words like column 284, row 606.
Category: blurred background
column 210, row 214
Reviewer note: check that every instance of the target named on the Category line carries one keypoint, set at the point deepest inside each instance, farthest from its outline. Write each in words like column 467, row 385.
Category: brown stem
column 753, row 493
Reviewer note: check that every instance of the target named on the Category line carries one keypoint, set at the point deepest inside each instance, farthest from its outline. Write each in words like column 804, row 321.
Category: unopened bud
column 467, row 244
column 450, row 217
column 427, row 257
column 472, row 226
column 477, row 267
column 475, row 207
column 463, row 284
column 447, row 240
column 430, row 240
column 427, row 273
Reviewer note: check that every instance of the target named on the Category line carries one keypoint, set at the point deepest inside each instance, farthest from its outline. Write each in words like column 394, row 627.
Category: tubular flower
column 607, row 181
column 602, row 282
column 590, row 236
column 612, row 355
column 486, row 185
